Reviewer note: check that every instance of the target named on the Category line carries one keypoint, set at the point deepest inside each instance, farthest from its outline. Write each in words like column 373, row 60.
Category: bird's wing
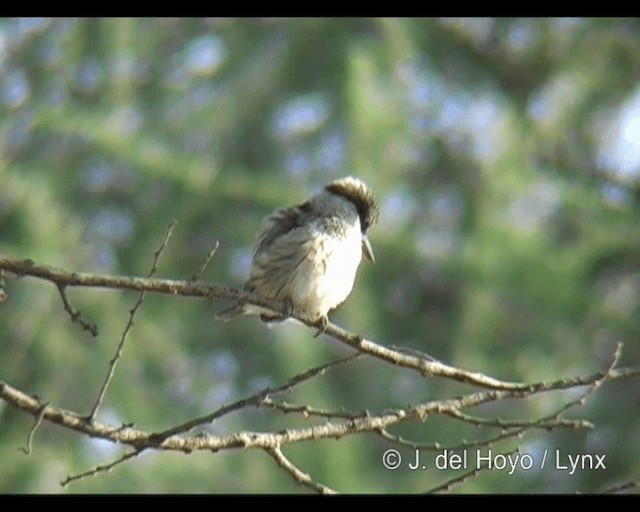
column 279, row 223
column 282, row 247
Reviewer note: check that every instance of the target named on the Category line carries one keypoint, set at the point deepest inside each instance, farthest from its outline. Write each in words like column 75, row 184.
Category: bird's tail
column 241, row 309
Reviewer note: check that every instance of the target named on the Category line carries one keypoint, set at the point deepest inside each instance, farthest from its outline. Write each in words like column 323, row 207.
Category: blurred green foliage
column 505, row 154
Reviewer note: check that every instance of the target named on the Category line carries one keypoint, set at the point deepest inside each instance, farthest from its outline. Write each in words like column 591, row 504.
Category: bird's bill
column 367, row 251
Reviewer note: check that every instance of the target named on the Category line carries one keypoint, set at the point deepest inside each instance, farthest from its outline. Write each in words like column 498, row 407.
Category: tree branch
column 375, row 423
column 298, row 475
column 259, row 399
column 74, row 314
column 102, row 468
column 449, row 484
column 123, row 338
column 422, row 363
column 334, row 424
column 38, row 421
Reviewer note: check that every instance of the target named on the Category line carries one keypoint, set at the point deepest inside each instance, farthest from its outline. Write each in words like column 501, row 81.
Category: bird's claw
column 321, row 324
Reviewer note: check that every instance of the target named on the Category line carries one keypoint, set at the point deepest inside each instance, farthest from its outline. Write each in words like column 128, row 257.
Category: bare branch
column 513, row 432
column 624, row 486
column 27, row 267
column 546, row 423
column 38, row 421
column 423, row 364
column 258, row 399
column 309, row 374
column 298, row 475
column 210, row 256
column 373, row 423
column 446, row 486
column 132, row 313
column 74, row 314
column 101, row 468
column 510, row 429
column 464, row 445
column 335, row 424
column 449, row 484
column 308, row 411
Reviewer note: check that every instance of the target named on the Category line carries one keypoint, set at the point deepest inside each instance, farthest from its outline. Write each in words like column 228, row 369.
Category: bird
column 307, row 255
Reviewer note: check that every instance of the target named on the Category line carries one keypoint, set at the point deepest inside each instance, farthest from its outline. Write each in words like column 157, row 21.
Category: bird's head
column 356, row 191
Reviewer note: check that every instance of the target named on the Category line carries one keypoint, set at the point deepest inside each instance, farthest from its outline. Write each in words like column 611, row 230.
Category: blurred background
column 505, row 154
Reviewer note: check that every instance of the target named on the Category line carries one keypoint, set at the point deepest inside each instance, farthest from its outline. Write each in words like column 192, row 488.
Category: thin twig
column 75, row 314
column 100, row 468
column 309, row 374
column 553, row 422
column 308, row 411
column 624, row 486
column 299, row 476
column 446, row 486
column 123, row 338
column 210, row 256
column 464, row 445
column 257, row 399
column 591, row 388
column 27, row 449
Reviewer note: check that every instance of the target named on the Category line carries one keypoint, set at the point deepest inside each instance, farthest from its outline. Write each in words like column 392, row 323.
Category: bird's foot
column 321, row 324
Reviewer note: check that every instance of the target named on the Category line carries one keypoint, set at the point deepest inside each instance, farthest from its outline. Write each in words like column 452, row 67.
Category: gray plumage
column 308, row 255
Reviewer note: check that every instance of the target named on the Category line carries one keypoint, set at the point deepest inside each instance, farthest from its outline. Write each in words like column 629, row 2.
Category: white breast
column 325, row 279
